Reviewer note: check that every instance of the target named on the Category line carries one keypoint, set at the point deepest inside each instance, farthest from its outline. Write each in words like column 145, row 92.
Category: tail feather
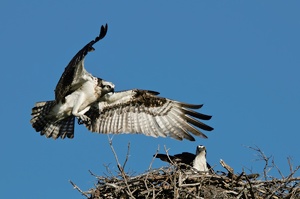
column 42, row 123
column 39, row 114
column 67, row 130
column 63, row 128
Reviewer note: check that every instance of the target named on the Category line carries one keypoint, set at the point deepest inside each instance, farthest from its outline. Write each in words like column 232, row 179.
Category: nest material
column 171, row 182
column 174, row 182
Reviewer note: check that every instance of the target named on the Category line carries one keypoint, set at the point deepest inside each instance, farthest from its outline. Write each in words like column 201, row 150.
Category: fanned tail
column 42, row 123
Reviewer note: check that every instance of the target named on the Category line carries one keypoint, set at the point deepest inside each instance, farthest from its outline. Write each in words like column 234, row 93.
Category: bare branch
column 264, row 158
column 278, row 170
column 290, row 164
column 78, row 189
column 127, row 155
column 121, row 169
column 176, row 182
column 227, row 167
column 153, row 158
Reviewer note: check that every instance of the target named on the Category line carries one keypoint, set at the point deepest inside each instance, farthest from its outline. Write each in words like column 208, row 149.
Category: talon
column 83, row 119
column 80, row 121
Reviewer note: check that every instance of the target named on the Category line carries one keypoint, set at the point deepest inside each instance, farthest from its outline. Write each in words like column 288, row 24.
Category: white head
column 106, row 87
column 201, row 149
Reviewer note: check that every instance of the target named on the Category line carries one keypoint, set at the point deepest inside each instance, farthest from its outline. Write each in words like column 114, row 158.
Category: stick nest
column 173, row 182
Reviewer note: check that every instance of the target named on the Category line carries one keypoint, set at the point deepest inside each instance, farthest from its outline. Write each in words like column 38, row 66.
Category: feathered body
column 96, row 105
column 197, row 161
column 75, row 92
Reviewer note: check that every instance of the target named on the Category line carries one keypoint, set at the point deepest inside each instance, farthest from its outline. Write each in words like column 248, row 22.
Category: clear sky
column 239, row 58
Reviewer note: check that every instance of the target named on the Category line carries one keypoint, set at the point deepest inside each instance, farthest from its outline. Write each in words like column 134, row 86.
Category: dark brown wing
column 185, row 157
column 75, row 68
column 143, row 112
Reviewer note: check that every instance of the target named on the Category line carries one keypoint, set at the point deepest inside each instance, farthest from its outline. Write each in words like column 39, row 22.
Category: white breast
column 82, row 97
column 200, row 163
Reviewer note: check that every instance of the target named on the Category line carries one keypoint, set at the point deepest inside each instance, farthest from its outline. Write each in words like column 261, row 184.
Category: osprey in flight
column 197, row 161
column 95, row 104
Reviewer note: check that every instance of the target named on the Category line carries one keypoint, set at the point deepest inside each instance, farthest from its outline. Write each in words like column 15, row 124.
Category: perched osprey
column 197, row 161
column 96, row 105
column 75, row 92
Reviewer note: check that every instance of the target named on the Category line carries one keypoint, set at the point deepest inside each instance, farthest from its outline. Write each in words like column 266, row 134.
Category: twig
column 262, row 157
column 167, row 153
column 290, row 164
column 121, row 169
column 278, row 170
column 228, row 168
column 191, row 194
column 241, row 193
column 176, row 182
column 93, row 173
column 78, row 189
column 115, row 154
column 149, row 168
column 127, row 155
column 250, row 184
column 153, row 158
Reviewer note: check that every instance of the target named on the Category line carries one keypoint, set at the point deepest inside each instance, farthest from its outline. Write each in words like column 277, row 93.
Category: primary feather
column 142, row 111
column 93, row 101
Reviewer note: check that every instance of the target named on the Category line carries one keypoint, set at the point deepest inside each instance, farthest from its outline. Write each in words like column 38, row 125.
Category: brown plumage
column 143, row 112
column 75, row 92
column 196, row 161
column 94, row 102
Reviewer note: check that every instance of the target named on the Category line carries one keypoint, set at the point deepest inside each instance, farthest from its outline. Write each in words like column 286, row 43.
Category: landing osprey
column 197, row 161
column 75, row 92
column 102, row 110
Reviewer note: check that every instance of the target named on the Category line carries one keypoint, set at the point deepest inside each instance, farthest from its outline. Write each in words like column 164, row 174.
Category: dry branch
column 175, row 182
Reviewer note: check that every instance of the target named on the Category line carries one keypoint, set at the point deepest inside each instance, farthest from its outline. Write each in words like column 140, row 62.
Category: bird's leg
column 80, row 114
column 83, row 118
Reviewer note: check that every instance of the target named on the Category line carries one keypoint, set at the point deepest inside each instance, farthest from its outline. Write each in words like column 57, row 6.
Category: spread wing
column 70, row 79
column 143, row 112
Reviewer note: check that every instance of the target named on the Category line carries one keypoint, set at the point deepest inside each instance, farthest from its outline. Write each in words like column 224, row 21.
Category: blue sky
column 239, row 58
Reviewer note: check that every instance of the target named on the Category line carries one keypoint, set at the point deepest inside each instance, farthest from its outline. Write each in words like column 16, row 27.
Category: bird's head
column 200, row 149
column 106, row 87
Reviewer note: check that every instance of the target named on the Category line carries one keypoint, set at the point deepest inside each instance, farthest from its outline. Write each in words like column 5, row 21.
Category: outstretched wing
column 143, row 112
column 70, row 79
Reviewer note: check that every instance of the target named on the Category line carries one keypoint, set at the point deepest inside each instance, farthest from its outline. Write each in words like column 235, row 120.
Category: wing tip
column 103, row 31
